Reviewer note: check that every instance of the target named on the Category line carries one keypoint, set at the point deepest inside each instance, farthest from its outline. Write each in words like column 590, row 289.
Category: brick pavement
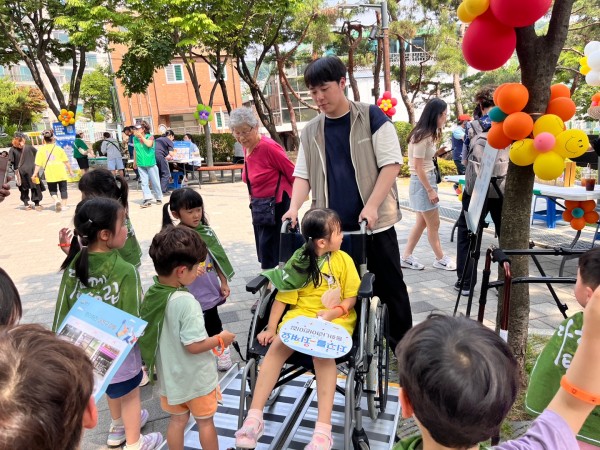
column 31, row 256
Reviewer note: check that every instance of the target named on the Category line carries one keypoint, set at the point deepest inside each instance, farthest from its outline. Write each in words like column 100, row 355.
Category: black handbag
column 436, row 169
column 263, row 208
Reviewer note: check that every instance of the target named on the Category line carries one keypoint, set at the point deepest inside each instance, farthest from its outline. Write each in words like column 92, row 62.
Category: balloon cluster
column 580, row 213
column 590, row 63
column 594, row 109
column 203, row 114
column 387, row 104
column 491, row 38
column 66, row 117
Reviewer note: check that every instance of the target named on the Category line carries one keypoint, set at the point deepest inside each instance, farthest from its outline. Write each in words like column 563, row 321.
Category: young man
column 45, row 390
column 349, row 158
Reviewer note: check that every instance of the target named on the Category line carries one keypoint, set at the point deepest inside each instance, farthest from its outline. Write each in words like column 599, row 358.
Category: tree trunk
column 458, row 107
column 536, row 75
column 378, row 63
column 288, row 101
column 410, row 107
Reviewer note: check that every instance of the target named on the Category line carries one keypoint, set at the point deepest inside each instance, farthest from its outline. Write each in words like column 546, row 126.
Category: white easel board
column 482, row 185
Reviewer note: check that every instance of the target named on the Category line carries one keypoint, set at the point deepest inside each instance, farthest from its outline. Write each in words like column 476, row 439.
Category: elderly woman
column 268, row 173
column 22, row 159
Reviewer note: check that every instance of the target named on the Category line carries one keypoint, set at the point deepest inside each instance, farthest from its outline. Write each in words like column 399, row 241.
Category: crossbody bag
column 263, row 208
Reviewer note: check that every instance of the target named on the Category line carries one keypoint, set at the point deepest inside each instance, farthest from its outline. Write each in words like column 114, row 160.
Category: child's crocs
column 248, row 436
column 320, row 441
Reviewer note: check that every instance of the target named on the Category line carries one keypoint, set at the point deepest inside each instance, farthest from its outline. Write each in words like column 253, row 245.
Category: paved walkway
column 32, row 258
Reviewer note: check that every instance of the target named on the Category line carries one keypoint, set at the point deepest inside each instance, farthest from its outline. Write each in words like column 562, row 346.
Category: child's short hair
column 589, row 268
column 45, row 387
column 174, row 247
column 323, row 70
column 460, row 377
column 10, row 301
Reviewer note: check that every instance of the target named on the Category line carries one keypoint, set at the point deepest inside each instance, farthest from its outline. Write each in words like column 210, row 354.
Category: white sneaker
column 58, row 206
column 411, row 263
column 224, row 361
column 445, row 263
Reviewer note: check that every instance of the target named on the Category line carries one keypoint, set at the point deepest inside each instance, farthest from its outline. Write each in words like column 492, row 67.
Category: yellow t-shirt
column 55, row 170
column 423, row 149
column 306, row 301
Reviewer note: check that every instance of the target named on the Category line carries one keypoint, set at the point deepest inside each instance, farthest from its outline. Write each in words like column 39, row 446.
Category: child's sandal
column 248, row 436
column 320, row 441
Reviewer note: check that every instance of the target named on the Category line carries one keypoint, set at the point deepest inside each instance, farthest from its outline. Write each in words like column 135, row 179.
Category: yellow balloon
column 585, row 70
column 583, row 61
column 70, row 114
column 463, row 14
column 571, row 143
column 522, row 153
column 549, row 166
column 71, row 120
column 63, row 111
column 476, row 7
column 548, row 123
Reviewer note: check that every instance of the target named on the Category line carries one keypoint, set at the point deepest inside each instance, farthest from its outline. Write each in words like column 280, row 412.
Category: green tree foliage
column 96, row 92
column 19, row 105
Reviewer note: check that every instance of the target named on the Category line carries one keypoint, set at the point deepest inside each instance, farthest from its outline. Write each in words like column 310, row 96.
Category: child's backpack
column 478, row 140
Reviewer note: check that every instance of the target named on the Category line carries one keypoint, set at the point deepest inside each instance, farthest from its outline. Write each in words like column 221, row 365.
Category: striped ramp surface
column 299, row 394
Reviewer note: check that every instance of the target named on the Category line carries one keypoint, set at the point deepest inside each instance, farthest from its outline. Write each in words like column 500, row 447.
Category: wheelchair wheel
column 360, row 440
column 378, row 370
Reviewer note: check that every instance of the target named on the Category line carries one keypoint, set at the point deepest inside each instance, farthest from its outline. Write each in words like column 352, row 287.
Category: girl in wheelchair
column 319, row 280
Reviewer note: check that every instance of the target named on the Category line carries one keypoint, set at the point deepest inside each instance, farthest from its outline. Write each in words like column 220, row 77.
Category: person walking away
column 144, row 159
column 349, row 158
column 81, row 152
column 111, row 148
column 22, row 160
column 164, row 153
column 53, row 161
column 423, row 191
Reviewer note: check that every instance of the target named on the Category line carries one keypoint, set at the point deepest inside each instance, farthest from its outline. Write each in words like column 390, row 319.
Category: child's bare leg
column 114, row 406
column 131, row 407
column 269, row 372
column 326, row 372
column 208, row 434
column 176, row 429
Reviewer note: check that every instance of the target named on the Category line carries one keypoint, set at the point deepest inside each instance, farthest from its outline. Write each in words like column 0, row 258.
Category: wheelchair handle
column 286, row 226
column 363, row 226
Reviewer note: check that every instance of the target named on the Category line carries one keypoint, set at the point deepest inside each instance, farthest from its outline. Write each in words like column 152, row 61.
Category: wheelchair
column 366, row 366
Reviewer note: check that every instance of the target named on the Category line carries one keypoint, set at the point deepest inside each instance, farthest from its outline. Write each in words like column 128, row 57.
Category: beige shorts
column 203, row 407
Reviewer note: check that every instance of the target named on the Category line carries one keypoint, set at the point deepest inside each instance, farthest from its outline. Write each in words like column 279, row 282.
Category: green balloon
column 497, row 115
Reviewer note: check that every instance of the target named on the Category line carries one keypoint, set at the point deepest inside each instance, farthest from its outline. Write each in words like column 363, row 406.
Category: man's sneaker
column 39, row 208
column 159, row 202
column 150, row 441
column 146, row 204
column 224, row 361
column 58, row 206
column 116, row 434
column 465, row 291
column 411, row 263
column 445, row 263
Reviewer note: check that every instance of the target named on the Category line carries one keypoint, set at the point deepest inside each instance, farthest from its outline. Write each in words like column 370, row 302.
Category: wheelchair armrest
column 255, row 284
column 366, row 285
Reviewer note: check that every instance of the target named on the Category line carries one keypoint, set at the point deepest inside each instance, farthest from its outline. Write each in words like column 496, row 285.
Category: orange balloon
column 571, row 204
column 562, row 107
column 496, row 137
column 567, row 216
column 512, row 98
column 591, row 217
column 596, row 97
column 559, row 90
column 497, row 92
column 578, row 224
column 518, row 126
column 588, row 205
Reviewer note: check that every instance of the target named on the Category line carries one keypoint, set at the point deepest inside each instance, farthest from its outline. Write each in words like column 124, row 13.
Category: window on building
column 221, row 120
column 25, row 74
column 174, row 73
column 91, row 60
column 211, row 73
column 2, row 71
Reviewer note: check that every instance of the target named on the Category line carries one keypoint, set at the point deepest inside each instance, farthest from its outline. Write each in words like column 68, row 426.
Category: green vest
column 144, row 156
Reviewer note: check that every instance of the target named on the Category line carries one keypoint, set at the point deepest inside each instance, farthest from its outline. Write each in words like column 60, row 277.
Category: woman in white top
column 423, row 195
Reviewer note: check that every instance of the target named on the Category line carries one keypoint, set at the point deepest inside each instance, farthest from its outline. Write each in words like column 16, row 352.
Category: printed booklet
column 106, row 333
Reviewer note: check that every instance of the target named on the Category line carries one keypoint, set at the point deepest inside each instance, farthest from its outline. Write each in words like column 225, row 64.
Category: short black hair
column 460, row 377
column 485, row 96
column 106, row 134
column 589, row 268
column 323, row 70
column 169, row 133
column 175, row 246
column 11, row 309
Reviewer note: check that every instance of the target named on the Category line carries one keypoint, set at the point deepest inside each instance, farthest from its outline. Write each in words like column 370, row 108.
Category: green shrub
column 6, row 141
column 403, row 129
column 447, row 167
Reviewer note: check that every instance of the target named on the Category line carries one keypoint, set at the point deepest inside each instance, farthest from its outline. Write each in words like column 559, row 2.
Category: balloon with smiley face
column 571, row 143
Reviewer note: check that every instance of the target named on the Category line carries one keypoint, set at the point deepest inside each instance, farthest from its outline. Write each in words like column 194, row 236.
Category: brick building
column 170, row 101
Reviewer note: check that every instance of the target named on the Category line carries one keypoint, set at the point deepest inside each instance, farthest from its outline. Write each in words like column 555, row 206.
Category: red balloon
column 387, row 95
column 391, row 112
column 519, row 13
column 487, row 43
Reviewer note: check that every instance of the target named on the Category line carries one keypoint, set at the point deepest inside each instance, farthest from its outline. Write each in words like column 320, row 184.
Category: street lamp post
column 385, row 39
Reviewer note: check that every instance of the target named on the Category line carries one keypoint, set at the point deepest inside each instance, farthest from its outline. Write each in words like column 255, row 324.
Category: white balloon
column 591, row 47
column 593, row 60
column 593, row 78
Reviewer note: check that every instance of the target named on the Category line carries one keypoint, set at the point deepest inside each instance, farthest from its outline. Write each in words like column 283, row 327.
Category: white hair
column 242, row 116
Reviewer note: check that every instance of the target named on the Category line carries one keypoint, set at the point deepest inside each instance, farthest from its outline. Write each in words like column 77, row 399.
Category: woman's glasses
column 242, row 133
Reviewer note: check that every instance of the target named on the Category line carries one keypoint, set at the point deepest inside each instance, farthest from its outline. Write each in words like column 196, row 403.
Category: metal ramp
column 295, row 409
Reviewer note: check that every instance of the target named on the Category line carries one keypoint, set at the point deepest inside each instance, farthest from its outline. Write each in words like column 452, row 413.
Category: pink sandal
column 248, row 436
column 320, row 441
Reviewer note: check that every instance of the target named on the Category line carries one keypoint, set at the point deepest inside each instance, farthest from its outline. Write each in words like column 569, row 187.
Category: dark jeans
column 460, row 168
column 383, row 259
column 494, row 207
column 212, row 321
column 266, row 238
column 164, row 173
column 36, row 192
column 54, row 187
